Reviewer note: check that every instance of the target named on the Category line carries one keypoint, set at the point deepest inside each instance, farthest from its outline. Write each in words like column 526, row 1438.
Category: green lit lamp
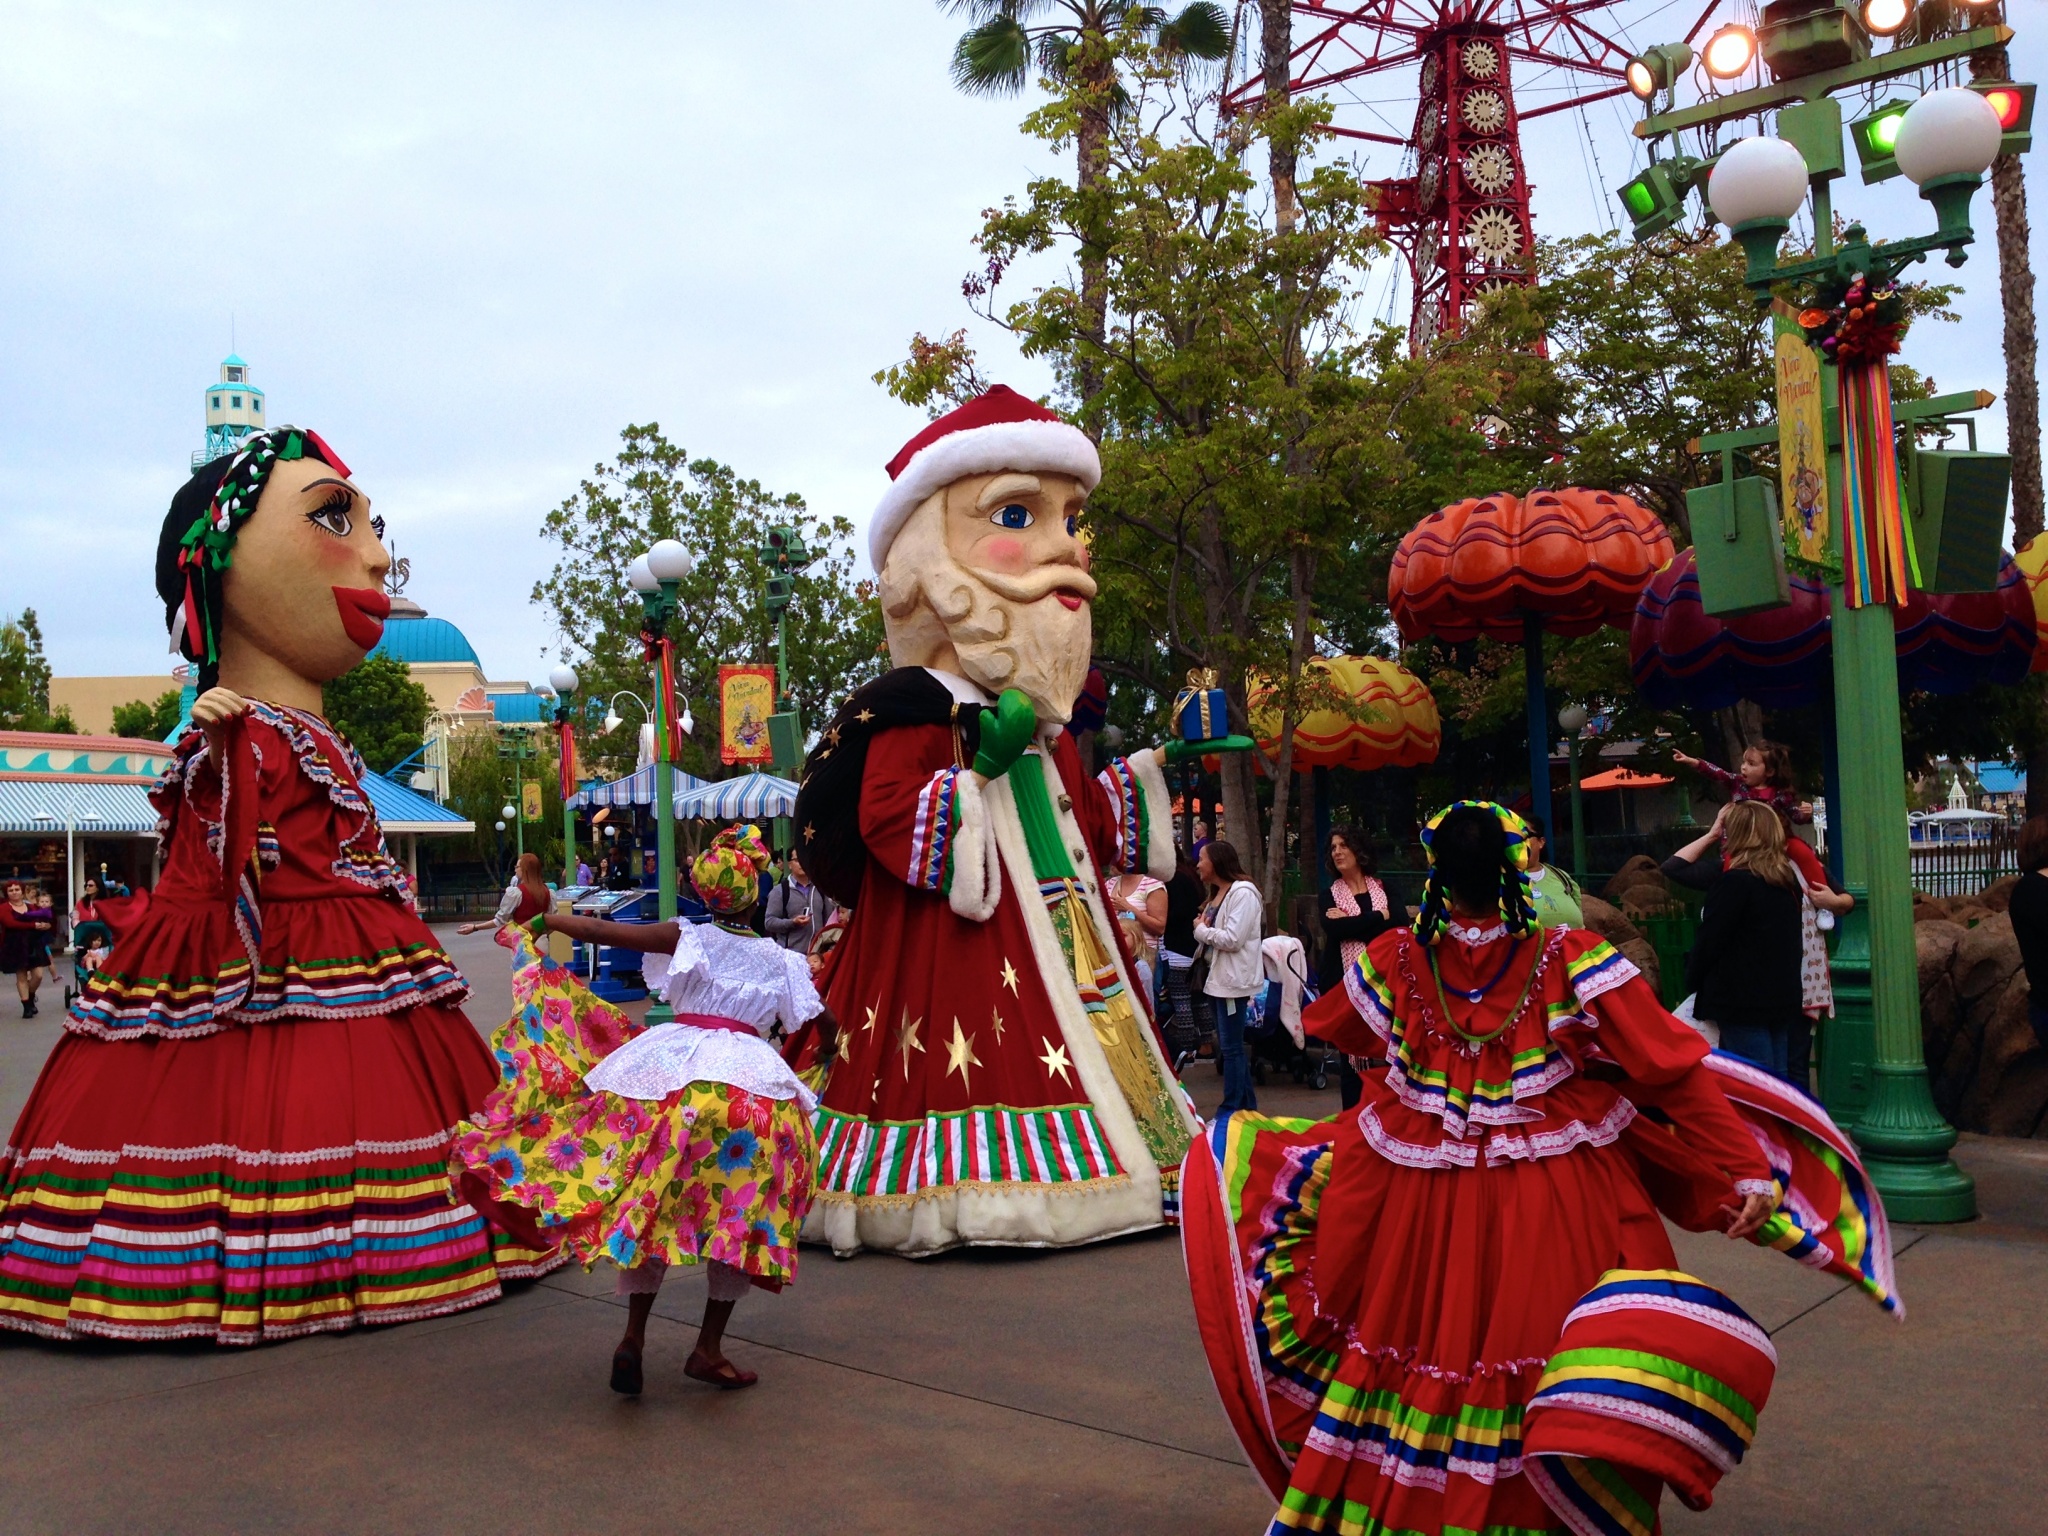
column 1945, row 143
column 1876, row 136
column 1755, row 189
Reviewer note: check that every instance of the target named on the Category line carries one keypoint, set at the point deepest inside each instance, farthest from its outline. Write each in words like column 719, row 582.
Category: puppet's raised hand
column 1177, row 751
column 1006, row 731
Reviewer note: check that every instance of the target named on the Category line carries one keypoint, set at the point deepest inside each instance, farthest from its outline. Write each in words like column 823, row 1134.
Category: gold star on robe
column 995, row 1022
column 1010, row 976
column 960, row 1054
column 907, row 1041
column 1055, row 1060
column 868, row 1028
column 865, row 716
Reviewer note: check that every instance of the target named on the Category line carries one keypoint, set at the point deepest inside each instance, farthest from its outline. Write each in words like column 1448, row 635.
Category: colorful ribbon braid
column 1517, row 908
column 207, row 547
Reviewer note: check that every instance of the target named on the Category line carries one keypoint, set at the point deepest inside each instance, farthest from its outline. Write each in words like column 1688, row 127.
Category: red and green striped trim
column 1063, row 1144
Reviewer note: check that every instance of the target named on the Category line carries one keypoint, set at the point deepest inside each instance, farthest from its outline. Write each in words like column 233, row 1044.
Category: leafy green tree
column 654, row 490
column 379, row 708
column 481, row 783
column 1076, row 44
column 25, row 680
column 147, row 721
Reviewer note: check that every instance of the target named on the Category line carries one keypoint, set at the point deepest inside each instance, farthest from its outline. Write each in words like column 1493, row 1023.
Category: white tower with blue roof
column 234, row 409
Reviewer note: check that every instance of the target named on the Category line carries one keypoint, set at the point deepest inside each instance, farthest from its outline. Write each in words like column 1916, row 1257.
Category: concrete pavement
column 1024, row 1392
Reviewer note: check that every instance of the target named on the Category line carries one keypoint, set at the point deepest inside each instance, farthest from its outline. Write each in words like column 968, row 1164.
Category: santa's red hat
column 997, row 429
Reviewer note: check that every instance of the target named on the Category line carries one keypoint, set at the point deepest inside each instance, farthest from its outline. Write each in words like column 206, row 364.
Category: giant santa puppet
column 999, row 1078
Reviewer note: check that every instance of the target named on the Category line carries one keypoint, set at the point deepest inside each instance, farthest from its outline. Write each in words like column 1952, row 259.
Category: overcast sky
column 469, row 243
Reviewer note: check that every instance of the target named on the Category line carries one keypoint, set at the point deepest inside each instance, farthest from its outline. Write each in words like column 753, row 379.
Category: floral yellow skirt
column 710, row 1172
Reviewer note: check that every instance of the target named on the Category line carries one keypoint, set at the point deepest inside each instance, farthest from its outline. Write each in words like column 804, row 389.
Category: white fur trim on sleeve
column 1025, row 446
column 1158, row 850
column 977, row 883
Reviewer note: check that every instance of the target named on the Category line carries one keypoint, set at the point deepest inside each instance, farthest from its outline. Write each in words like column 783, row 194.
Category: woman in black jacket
column 1359, row 910
column 1744, row 969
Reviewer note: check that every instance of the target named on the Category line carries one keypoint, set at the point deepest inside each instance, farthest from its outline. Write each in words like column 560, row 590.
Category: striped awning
column 634, row 789
column 749, row 796
column 93, row 808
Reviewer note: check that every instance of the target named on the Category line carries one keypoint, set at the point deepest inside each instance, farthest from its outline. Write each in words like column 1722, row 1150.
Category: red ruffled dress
column 1402, row 1274
column 244, row 1133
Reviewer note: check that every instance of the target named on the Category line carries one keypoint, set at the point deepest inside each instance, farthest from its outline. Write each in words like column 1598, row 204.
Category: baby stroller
column 90, row 941
column 1273, row 1034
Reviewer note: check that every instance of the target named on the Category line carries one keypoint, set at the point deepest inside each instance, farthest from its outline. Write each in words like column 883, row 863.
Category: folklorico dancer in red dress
column 243, row 1134
column 1457, row 1309
column 1000, row 1079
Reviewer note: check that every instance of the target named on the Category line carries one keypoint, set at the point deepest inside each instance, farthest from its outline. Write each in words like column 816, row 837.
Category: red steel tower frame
column 1462, row 219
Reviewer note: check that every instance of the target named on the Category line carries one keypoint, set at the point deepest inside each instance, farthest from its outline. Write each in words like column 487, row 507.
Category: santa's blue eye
column 1073, row 526
column 1013, row 516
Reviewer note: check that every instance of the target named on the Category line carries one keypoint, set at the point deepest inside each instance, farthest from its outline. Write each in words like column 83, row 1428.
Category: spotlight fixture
column 1657, row 69
column 1876, row 136
column 1882, row 18
column 1805, row 37
column 1730, row 51
column 2014, row 104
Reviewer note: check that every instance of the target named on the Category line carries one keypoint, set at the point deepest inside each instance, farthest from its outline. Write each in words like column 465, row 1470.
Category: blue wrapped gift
column 1200, row 710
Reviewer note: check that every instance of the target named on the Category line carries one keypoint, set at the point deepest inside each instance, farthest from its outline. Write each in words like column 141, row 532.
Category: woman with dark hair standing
column 1173, row 986
column 24, row 943
column 1360, row 910
column 1229, row 931
column 2029, row 913
column 278, row 1040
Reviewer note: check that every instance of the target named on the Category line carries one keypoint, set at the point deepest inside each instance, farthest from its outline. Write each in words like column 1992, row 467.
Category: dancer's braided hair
column 1467, row 842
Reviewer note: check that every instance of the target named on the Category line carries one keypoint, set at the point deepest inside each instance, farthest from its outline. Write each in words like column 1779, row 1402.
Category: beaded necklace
column 1472, row 1041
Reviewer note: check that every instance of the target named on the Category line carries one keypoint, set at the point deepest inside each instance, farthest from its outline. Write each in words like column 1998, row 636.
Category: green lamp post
column 564, row 680
column 1945, row 143
column 655, row 576
column 1572, row 720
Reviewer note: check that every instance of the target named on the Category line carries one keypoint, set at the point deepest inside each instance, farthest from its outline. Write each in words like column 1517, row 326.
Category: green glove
column 1178, row 751
column 1006, row 731
column 537, row 925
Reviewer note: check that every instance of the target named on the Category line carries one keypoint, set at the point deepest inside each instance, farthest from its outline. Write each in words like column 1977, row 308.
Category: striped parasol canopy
column 745, row 798
column 1400, row 729
column 1683, row 657
column 635, row 788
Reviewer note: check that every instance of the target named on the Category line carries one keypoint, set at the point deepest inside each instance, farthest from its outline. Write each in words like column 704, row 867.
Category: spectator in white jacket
column 1228, row 931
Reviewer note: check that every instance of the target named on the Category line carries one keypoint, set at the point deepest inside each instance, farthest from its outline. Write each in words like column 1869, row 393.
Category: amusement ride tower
column 1459, row 212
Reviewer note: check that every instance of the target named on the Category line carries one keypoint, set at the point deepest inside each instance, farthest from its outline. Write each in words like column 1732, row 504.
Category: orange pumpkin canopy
column 1578, row 558
column 1403, row 728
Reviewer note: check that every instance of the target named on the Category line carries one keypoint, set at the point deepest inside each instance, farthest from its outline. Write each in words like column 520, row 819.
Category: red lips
column 1070, row 600
column 363, row 612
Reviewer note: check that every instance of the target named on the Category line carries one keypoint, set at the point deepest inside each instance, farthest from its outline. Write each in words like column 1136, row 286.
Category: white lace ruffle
column 735, row 976
column 656, row 1063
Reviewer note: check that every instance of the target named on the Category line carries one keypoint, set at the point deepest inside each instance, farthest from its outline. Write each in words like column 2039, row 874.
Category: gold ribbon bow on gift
column 1201, row 682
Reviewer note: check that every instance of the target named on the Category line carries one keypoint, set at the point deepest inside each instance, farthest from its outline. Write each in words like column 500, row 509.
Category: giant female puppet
column 243, row 1134
column 999, row 1079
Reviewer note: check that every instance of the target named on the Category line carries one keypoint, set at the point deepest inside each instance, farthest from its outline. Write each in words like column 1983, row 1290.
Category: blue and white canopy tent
column 749, row 797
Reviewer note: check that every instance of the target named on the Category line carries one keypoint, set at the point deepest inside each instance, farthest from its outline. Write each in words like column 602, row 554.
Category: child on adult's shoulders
column 1765, row 773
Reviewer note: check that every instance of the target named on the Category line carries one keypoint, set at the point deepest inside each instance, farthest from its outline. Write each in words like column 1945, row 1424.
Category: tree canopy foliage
column 147, row 719
column 655, row 490
column 380, row 709
column 25, row 679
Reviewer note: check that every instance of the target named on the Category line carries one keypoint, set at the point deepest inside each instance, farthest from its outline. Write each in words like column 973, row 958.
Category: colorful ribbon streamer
column 1878, row 558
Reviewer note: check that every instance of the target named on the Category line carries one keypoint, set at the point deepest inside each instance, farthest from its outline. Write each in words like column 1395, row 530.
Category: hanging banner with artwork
column 529, row 801
column 1802, row 448
column 746, row 698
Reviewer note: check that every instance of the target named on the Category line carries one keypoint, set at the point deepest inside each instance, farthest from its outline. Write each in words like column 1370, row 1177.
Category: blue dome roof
column 425, row 639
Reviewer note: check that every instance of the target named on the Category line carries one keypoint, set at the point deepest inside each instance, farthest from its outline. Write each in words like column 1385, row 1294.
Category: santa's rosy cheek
column 1007, row 553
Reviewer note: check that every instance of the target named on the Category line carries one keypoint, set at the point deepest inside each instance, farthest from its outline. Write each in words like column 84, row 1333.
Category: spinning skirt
column 1377, row 1332
column 266, row 1181
column 709, row 1172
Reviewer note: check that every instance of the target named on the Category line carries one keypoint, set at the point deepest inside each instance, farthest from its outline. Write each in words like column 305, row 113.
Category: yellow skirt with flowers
column 710, row 1172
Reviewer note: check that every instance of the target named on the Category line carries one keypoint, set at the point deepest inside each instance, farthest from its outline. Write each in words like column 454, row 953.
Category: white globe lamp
column 669, row 561
column 510, row 813
column 1756, row 187
column 640, row 578
column 1947, row 141
column 563, row 680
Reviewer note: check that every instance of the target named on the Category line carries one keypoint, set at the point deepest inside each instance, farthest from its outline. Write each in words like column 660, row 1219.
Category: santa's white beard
column 1041, row 648
column 1032, row 643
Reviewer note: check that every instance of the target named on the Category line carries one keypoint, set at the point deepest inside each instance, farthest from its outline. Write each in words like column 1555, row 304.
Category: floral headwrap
column 206, row 548
column 1517, row 909
column 727, row 875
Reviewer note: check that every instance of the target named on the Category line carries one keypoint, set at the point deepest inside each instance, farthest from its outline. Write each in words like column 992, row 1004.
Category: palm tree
column 1069, row 40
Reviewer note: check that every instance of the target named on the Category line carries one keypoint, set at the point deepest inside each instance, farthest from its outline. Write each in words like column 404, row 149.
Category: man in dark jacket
column 797, row 910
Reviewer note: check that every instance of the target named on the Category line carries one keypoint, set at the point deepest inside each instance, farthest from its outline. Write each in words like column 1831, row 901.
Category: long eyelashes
column 333, row 515
column 377, row 527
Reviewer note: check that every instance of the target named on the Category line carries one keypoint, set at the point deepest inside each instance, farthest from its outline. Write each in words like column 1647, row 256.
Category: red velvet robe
column 972, row 1101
